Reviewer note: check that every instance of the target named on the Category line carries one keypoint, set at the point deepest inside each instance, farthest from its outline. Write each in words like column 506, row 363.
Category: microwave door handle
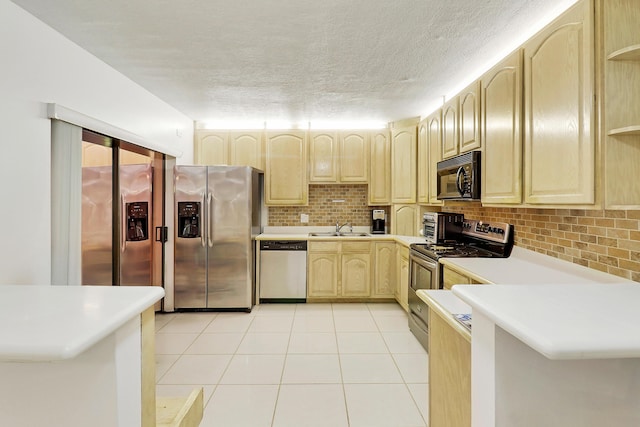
column 459, row 174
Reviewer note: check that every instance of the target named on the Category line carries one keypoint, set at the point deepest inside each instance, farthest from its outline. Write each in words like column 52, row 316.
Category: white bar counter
column 554, row 355
column 72, row 356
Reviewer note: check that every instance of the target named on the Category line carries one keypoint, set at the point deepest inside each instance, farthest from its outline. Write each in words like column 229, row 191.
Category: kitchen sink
column 334, row 234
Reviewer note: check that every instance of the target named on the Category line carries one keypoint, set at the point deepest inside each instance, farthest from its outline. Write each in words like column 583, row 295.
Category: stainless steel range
column 473, row 239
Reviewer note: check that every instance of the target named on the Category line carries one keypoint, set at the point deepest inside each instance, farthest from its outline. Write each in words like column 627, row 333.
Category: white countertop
column 525, row 267
column 47, row 323
column 560, row 321
column 302, row 233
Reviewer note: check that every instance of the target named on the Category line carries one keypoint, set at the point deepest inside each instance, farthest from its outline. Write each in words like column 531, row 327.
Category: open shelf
column 629, row 53
column 628, row 130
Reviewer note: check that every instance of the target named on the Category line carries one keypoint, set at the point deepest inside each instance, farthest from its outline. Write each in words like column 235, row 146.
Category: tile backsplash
column 328, row 203
column 606, row 240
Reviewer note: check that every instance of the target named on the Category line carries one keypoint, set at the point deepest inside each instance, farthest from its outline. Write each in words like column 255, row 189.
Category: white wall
column 38, row 66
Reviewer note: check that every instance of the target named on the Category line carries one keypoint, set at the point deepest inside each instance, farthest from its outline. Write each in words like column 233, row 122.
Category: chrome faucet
column 339, row 227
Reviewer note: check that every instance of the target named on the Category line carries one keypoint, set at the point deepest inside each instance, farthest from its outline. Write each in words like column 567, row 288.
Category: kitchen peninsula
column 554, row 355
column 77, row 356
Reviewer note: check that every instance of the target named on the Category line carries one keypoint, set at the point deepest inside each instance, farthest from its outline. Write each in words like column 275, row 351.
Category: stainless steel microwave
column 459, row 177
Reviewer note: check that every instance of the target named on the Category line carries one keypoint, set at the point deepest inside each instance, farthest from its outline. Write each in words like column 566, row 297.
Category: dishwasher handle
column 283, row 245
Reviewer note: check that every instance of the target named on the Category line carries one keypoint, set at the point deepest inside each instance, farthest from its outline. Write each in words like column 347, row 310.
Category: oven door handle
column 459, row 174
column 422, row 262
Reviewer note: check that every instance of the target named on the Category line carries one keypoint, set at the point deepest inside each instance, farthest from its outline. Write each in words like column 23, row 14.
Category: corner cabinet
column 502, row 132
column 286, row 168
column 404, row 149
column 559, row 155
column 402, row 276
column 380, row 167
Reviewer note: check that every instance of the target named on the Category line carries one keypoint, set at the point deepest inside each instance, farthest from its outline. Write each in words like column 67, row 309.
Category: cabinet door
column 451, row 277
column 380, row 162
column 434, row 141
column 559, row 146
column 404, row 220
column 402, row 295
column 470, row 118
column 449, row 375
column 354, row 155
column 356, row 274
column 245, row 149
column 211, row 148
column 384, row 281
column 450, row 134
column 423, row 162
column 323, row 157
column 286, row 169
column 403, row 165
column 322, row 277
column 502, row 133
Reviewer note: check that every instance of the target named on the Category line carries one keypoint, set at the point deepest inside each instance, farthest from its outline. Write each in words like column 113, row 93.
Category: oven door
column 424, row 273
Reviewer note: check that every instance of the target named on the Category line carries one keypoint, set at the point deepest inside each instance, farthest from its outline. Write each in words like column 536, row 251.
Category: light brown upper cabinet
column 286, row 168
column 323, row 157
column 403, row 164
column 404, row 220
column 450, row 130
column 502, row 132
column 337, row 157
column 211, row 147
column 380, row 167
column 434, row 142
column 559, row 153
column 621, row 100
column 423, row 162
column 246, row 149
column 234, row 148
column 354, row 155
column 470, row 118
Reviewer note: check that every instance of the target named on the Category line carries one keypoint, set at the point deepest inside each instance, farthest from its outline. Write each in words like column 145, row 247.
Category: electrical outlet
column 304, row 218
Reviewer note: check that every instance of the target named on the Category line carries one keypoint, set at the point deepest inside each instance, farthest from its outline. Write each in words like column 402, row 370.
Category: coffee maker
column 378, row 221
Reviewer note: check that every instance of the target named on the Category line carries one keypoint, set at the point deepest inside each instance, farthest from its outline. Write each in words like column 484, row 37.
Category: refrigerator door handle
column 210, row 219
column 123, row 221
column 206, row 224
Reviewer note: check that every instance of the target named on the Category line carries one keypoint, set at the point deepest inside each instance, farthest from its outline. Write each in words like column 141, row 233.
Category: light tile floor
column 325, row 365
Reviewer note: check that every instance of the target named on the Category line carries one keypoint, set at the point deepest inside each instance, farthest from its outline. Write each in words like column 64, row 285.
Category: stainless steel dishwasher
column 283, row 271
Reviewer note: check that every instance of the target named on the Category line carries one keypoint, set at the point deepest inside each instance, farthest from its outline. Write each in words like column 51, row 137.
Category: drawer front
column 326, row 246
column 356, row 246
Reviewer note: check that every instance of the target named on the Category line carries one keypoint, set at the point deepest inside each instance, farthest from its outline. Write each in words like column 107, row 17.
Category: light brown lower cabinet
column 451, row 277
column 449, row 375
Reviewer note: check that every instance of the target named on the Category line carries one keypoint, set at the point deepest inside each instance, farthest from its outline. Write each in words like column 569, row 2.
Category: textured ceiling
column 298, row 60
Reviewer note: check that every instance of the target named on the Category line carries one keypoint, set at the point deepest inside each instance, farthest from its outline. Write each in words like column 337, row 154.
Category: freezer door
column 135, row 240
column 190, row 184
column 230, row 258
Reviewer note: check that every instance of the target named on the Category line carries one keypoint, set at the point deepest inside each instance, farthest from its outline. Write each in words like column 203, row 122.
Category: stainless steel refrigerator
column 120, row 255
column 217, row 219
